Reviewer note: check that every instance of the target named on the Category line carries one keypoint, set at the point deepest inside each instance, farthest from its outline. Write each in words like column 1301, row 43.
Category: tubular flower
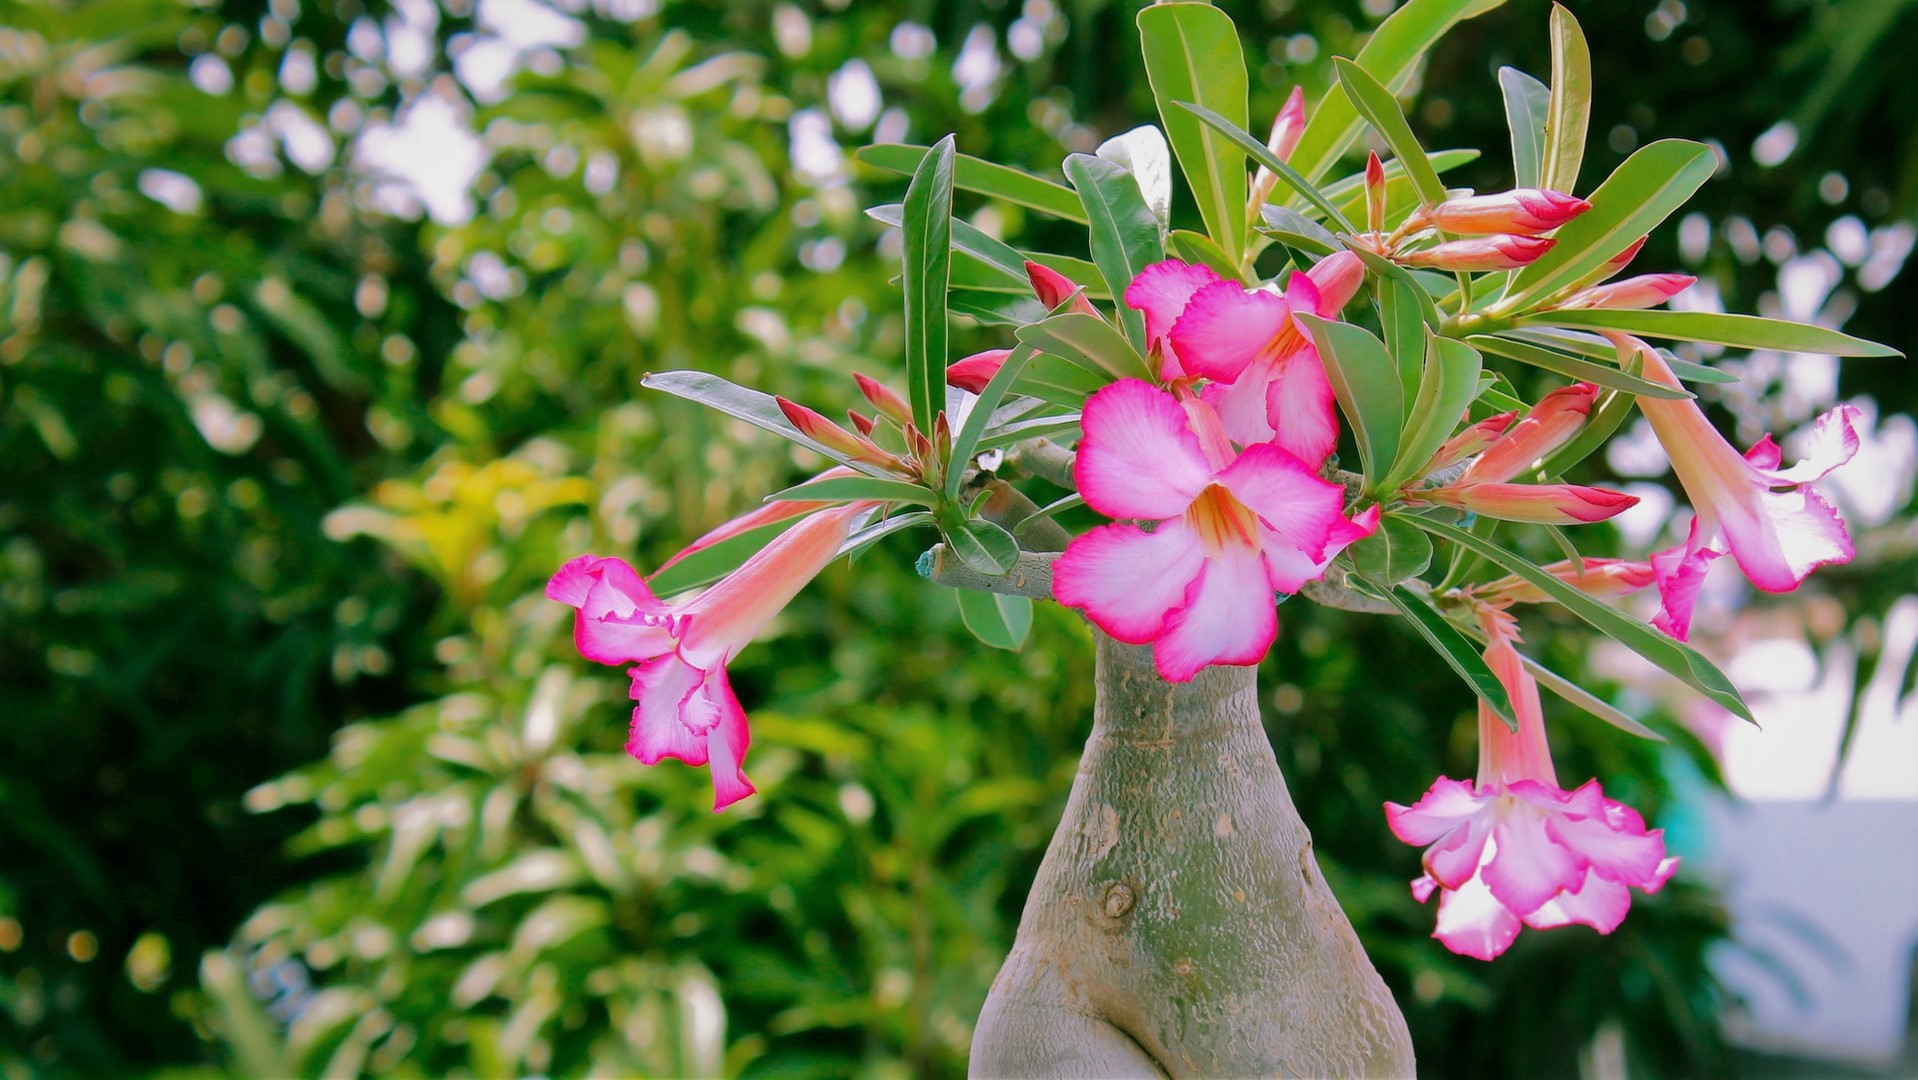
column 1772, row 524
column 1523, row 210
column 1515, row 848
column 1480, row 253
column 685, row 706
column 1267, row 382
column 1227, row 531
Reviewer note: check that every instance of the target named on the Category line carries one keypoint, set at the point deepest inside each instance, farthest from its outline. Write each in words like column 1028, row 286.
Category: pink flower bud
column 1374, row 193
column 1553, row 421
column 884, row 398
column 1053, row 288
column 1643, row 291
column 975, row 371
column 1338, row 277
column 1480, row 253
column 1546, row 504
column 1522, row 210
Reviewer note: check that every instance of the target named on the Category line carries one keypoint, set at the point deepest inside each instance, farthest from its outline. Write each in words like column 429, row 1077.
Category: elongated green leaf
column 1675, row 657
column 1366, row 382
column 981, row 176
column 1570, row 108
column 1574, row 367
column 1526, row 102
column 1391, row 55
column 984, row 547
column 1630, row 203
column 1585, row 699
column 1445, row 391
column 1192, row 53
column 1396, row 550
column 966, row 443
column 926, row 225
column 1455, row 649
column 1125, row 232
column 1737, row 331
column 1287, row 175
column 995, row 619
column 1381, row 109
column 757, row 409
column 1198, row 248
column 1087, row 341
column 855, row 489
column 715, row 561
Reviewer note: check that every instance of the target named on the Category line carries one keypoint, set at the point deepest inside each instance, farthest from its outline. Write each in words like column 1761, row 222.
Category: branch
column 1031, row 577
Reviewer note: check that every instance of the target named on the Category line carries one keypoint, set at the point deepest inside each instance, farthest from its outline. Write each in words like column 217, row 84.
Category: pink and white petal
column 1301, row 409
column 1471, row 922
column 1229, row 617
column 1599, row 903
column 1833, row 442
column 1529, row 867
column 661, row 686
column 1679, row 573
column 1445, row 806
column 1616, row 850
column 1780, row 537
column 1289, row 496
column 727, row 743
column 1224, row 328
column 1127, row 580
column 1161, row 291
column 1138, row 458
column 1241, row 404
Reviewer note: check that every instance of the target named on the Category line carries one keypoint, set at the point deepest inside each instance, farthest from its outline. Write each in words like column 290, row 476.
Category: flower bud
column 1643, row 291
column 1545, row 504
column 1522, row 210
column 975, row 371
column 884, row 398
column 1374, row 193
column 1053, row 288
column 1553, row 421
column 1480, row 253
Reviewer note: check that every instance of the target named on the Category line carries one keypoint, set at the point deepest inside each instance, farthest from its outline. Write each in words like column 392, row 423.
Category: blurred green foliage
column 282, row 468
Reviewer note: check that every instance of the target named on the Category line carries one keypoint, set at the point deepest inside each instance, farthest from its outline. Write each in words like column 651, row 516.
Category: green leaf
column 1569, row 110
column 1585, row 699
column 1575, row 367
column 1392, row 56
column 1395, row 551
column 1198, row 248
column 1366, row 382
column 757, row 409
column 1445, row 391
column 1379, row 107
column 856, row 489
column 1125, row 233
column 1526, row 102
column 983, row 546
column 1679, row 659
column 1192, row 53
column 709, row 564
column 1630, row 203
column 926, row 225
column 1736, row 331
column 1287, row 175
column 1088, row 341
column 966, row 443
column 996, row 620
column 981, row 176
column 1455, row 649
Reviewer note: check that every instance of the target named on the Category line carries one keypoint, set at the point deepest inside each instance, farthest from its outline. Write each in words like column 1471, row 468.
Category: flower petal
column 1471, row 922
column 1223, row 328
column 1229, row 617
column 1138, row 458
column 1127, row 580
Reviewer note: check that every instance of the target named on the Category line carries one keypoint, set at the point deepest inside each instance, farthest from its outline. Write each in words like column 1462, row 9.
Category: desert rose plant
column 1313, row 397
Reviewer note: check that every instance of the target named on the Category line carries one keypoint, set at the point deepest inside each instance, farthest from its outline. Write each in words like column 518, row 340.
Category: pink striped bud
column 1550, row 424
column 1470, row 441
column 1643, row 291
column 1338, row 277
column 1544, row 504
column 1286, row 129
column 1521, row 210
column 884, row 398
column 1053, row 288
column 1602, row 578
column 1374, row 193
column 1480, row 253
column 975, row 371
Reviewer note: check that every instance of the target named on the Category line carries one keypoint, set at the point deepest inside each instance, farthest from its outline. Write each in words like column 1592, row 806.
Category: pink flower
column 1773, row 525
column 1516, row 848
column 685, row 707
column 1480, row 253
column 1522, row 210
column 1227, row 532
column 1268, row 383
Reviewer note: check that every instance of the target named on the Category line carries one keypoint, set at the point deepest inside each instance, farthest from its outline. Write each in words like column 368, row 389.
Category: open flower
column 1226, row 531
column 1267, row 382
column 685, row 706
column 1776, row 528
column 1516, row 849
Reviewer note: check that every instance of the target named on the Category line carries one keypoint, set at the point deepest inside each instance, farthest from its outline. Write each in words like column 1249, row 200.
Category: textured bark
column 1179, row 925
